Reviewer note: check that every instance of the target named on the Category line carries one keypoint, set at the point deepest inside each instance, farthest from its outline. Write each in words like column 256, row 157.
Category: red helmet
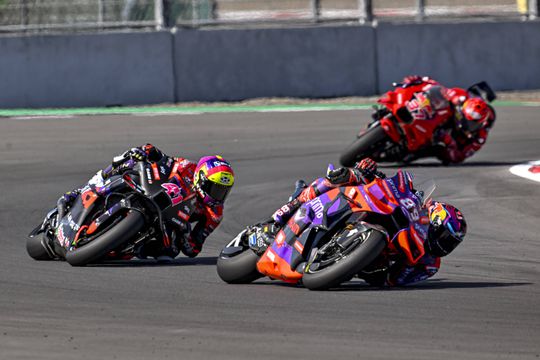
column 476, row 113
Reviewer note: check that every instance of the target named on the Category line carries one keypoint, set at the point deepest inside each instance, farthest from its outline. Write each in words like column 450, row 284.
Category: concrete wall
column 507, row 55
column 209, row 65
column 86, row 70
column 237, row 64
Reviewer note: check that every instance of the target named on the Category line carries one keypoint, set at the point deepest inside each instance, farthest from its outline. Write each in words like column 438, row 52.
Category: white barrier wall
column 506, row 55
column 305, row 62
column 86, row 70
column 221, row 65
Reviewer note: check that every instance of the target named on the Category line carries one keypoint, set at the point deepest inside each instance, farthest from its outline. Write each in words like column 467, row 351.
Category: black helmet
column 446, row 231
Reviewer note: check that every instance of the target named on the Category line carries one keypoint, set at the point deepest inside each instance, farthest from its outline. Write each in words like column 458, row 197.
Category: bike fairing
column 172, row 174
column 286, row 252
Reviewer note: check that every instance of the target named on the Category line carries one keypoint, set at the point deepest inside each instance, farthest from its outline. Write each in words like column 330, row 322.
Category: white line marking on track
column 35, row 117
column 530, row 170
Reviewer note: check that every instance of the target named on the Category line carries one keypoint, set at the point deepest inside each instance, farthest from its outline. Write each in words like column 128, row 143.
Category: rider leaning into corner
column 446, row 230
column 211, row 179
column 469, row 119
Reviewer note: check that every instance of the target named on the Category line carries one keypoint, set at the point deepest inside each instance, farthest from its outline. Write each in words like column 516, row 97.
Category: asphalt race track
column 483, row 304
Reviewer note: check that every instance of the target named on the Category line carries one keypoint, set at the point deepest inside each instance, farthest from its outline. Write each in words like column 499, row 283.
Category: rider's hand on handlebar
column 137, row 154
column 339, row 176
column 367, row 165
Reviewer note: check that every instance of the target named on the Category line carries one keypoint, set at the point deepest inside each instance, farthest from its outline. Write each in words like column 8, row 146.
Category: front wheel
column 344, row 267
column 35, row 247
column 123, row 231
column 364, row 146
column 238, row 269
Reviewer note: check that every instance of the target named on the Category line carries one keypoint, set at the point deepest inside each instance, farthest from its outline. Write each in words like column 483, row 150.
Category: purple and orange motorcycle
column 333, row 237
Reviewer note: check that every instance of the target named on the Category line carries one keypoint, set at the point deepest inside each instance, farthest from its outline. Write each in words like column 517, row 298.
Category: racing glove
column 135, row 153
column 342, row 175
column 367, row 164
column 368, row 168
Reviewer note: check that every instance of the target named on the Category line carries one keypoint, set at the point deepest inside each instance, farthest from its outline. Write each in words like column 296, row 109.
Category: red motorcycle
column 406, row 122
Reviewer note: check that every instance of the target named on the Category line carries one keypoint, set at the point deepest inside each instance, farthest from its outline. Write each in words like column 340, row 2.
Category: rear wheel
column 239, row 269
column 364, row 146
column 123, row 231
column 336, row 267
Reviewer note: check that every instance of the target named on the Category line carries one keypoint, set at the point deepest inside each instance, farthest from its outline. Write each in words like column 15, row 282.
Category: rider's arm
column 456, row 153
column 362, row 174
column 128, row 158
column 402, row 273
column 192, row 244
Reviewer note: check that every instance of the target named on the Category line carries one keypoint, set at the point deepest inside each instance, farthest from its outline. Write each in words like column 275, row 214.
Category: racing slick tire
column 126, row 229
column 239, row 269
column 345, row 268
column 36, row 249
column 362, row 147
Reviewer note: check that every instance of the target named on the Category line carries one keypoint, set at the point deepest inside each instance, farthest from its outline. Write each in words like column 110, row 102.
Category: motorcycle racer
column 468, row 120
column 208, row 182
column 447, row 228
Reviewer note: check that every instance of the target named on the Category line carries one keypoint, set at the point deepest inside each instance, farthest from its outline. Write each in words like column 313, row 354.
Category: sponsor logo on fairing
column 318, row 207
column 60, row 236
column 72, row 223
column 183, row 215
column 149, row 176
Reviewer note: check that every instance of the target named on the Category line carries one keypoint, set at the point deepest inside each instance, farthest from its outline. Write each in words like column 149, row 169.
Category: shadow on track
column 426, row 285
column 182, row 261
column 430, row 285
column 438, row 164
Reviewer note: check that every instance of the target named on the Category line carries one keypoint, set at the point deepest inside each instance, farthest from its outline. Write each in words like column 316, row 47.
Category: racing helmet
column 447, row 228
column 476, row 113
column 213, row 179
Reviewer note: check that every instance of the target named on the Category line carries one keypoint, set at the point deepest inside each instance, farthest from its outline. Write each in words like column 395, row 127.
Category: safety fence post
column 101, row 12
column 366, row 11
column 316, row 10
column 158, row 14
column 420, row 10
column 534, row 9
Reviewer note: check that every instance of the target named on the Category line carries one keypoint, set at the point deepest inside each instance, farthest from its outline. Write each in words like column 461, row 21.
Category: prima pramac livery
column 356, row 229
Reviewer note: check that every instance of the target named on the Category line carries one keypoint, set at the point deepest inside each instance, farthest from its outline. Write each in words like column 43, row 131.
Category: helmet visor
column 217, row 192
column 472, row 125
column 442, row 241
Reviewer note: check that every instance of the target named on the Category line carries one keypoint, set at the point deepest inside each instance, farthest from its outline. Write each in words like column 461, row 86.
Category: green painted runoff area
column 204, row 109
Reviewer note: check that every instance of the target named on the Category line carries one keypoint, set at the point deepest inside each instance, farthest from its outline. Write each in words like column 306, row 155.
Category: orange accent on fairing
column 408, row 240
column 271, row 265
column 79, row 233
column 88, row 198
column 295, row 228
column 93, row 227
column 298, row 246
column 155, row 171
column 174, row 170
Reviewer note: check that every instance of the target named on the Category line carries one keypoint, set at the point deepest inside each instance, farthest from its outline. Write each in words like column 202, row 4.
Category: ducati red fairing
column 401, row 127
